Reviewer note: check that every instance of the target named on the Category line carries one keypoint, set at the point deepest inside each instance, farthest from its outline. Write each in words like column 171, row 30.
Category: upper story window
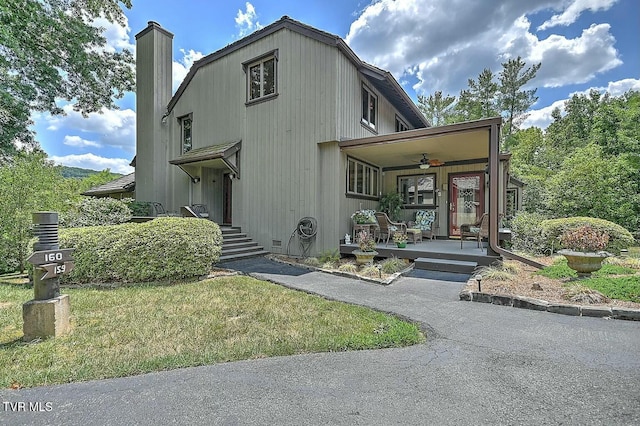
column 186, row 140
column 262, row 77
column 401, row 126
column 418, row 190
column 362, row 178
column 369, row 108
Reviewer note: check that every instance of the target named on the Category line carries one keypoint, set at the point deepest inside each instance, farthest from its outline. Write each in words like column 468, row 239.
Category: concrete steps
column 445, row 265
column 237, row 245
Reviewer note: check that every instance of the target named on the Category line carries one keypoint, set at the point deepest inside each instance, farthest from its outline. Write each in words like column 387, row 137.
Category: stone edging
column 557, row 308
column 387, row 281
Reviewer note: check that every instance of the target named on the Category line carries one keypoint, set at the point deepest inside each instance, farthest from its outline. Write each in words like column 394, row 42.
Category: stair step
column 230, row 230
column 239, row 244
column 234, row 235
column 243, row 255
column 445, row 265
column 226, row 251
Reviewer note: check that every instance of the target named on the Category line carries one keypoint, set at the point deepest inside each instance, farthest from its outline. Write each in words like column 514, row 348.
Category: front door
column 226, row 199
column 466, row 199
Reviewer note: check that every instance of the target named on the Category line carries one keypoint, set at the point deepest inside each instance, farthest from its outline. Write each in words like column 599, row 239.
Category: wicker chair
column 427, row 222
column 476, row 231
column 388, row 228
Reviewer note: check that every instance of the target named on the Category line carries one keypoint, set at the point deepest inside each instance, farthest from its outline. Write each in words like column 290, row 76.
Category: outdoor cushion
column 424, row 219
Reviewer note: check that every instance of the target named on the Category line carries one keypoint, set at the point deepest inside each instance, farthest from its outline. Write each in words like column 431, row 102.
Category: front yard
column 131, row 330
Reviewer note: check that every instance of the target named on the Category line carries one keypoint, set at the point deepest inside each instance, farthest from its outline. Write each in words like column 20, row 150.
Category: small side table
column 416, row 235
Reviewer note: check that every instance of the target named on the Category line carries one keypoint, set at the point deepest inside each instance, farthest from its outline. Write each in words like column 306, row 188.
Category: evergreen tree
column 436, row 107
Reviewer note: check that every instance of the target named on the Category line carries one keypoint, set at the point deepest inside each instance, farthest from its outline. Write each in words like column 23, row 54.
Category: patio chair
column 387, row 228
column 188, row 211
column 201, row 210
column 427, row 222
column 476, row 231
column 159, row 211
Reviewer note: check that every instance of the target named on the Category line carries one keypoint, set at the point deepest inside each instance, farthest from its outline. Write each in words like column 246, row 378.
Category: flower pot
column 584, row 263
column 364, row 257
column 401, row 245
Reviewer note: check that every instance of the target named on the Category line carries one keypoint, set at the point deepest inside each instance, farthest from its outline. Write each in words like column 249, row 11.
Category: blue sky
column 428, row 45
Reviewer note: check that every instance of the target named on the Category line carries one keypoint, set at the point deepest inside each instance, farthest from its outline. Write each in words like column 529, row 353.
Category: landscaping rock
column 530, row 303
column 626, row 314
column 564, row 309
column 502, row 300
column 481, row 297
column 596, row 311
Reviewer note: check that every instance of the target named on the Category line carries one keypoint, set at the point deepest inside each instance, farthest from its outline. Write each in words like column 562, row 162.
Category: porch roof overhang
column 221, row 156
column 459, row 143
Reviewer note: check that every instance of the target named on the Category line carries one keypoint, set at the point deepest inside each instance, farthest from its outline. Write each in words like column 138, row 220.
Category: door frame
column 452, row 201
column 227, row 199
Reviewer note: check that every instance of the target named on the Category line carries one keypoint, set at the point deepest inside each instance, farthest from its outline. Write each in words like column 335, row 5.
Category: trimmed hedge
column 619, row 238
column 527, row 233
column 96, row 211
column 166, row 248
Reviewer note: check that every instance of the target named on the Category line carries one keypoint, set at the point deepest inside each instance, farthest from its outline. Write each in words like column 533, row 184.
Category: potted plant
column 391, row 204
column 400, row 239
column 584, row 249
column 366, row 246
column 364, row 217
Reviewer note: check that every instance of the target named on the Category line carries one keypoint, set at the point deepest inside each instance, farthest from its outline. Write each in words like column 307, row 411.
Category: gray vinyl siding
column 280, row 157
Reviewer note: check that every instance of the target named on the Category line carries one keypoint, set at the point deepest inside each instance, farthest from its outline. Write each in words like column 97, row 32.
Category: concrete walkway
column 482, row 364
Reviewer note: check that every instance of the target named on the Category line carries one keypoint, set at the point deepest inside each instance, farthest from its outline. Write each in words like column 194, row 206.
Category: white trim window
column 362, row 178
column 262, row 77
column 401, row 126
column 186, row 133
column 369, row 108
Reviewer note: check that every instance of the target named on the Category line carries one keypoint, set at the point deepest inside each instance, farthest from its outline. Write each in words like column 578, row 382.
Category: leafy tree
column 513, row 101
column 50, row 52
column 436, row 107
column 28, row 184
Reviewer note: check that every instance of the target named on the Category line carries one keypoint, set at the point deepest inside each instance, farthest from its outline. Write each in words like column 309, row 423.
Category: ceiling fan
column 425, row 163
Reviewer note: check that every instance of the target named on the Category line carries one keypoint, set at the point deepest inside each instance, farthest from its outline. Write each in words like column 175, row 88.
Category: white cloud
column 442, row 50
column 115, row 128
column 573, row 11
column 247, row 21
column 94, row 162
column 182, row 66
column 542, row 117
column 77, row 141
column 117, row 35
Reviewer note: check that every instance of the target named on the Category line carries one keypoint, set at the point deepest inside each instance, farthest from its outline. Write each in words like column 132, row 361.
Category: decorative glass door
column 466, row 200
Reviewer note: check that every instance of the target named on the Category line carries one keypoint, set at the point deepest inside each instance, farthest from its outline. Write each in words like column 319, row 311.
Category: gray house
column 288, row 123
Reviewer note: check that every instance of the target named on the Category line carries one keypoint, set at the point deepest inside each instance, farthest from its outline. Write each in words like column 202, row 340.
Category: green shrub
column 527, row 234
column 96, row 211
column 393, row 265
column 552, row 229
column 348, row 267
column 312, row 261
column 140, row 208
column 329, row 256
column 166, row 248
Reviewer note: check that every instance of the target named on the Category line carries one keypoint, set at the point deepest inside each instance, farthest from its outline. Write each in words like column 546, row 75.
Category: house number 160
column 53, row 257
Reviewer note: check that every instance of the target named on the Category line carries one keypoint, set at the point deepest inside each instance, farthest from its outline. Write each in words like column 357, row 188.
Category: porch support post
column 494, row 196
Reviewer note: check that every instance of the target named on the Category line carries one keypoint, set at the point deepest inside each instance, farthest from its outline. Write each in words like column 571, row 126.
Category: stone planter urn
column 364, row 257
column 584, row 263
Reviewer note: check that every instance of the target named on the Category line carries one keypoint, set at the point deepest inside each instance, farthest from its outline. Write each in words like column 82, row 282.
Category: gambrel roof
column 382, row 80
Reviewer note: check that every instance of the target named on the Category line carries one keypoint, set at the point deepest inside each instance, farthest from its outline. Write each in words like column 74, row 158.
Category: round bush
column 527, row 235
column 552, row 230
column 166, row 248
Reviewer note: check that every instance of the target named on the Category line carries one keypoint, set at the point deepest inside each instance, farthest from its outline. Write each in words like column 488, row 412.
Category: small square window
column 401, row 126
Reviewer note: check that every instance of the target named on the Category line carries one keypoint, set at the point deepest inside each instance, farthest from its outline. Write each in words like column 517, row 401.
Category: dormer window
column 262, row 77
column 369, row 108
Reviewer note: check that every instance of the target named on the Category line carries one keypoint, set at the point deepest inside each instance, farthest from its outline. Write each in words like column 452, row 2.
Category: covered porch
column 455, row 170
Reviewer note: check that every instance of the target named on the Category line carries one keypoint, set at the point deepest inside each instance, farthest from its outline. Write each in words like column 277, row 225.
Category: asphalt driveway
column 482, row 364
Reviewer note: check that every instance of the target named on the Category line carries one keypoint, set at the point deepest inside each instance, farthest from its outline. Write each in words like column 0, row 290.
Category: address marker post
column 47, row 315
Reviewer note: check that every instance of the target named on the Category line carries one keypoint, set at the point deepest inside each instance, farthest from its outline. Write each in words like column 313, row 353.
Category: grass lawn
column 613, row 281
column 138, row 329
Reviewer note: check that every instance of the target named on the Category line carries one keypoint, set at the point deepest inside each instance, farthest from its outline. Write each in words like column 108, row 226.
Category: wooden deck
column 439, row 255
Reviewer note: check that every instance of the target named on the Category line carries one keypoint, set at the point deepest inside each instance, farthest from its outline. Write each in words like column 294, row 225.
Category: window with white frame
column 369, row 107
column 186, row 140
column 418, row 190
column 362, row 178
column 261, row 77
column 401, row 126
